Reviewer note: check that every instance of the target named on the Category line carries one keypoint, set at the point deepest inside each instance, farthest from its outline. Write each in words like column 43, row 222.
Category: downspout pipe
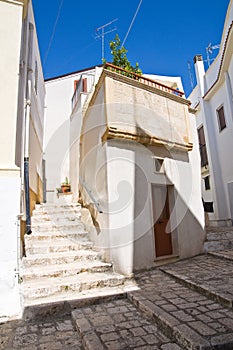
column 27, row 124
column 26, row 164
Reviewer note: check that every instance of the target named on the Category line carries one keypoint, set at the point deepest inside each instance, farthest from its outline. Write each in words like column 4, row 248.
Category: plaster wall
column 75, row 133
column 62, row 128
column 142, row 112
column 93, row 170
column 10, row 40
column 120, row 175
column 9, row 233
column 58, row 109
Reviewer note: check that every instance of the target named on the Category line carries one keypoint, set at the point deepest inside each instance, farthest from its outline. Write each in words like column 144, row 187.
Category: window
column 202, row 145
column 83, row 82
column 221, row 118
column 158, row 164
column 207, row 183
column 208, row 207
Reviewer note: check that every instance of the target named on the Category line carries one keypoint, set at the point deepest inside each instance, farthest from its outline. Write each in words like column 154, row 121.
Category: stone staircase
column 218, row 238
column 60, row 261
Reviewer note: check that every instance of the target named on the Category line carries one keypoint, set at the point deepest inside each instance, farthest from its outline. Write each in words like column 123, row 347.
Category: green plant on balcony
column 120, row 59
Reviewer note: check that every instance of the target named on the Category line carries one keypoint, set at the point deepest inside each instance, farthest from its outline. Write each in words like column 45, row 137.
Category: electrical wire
column 53, row 32
column 132, row 22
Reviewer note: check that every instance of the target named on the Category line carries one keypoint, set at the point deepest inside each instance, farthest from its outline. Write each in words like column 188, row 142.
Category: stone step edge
column 70, row 284
column 61, row 272
column 125, row 285
column 43, row 308
column 54, row 258
column 57, row 238
column 200, row 288
column 220, row 255
column 180, row 333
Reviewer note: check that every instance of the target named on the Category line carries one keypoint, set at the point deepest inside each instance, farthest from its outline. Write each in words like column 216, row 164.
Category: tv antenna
column 100, row 33
column 209, row 50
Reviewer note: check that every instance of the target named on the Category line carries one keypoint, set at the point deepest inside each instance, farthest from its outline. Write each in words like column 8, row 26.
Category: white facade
column 61, row 130
column 121, row 184
column 213, row 99
column 16, row 22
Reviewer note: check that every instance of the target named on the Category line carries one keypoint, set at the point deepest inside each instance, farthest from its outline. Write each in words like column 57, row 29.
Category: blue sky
column 164, row 37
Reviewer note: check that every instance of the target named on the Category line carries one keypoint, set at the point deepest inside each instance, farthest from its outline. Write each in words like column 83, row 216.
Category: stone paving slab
column 118, row 325
column 207, row 274
column 192, row 319
column 50, row 334
column 226, row 254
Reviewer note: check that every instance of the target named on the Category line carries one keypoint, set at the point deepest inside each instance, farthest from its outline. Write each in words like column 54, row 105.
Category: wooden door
column 162, row 235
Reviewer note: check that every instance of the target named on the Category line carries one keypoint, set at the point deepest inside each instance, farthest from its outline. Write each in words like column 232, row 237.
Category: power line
column 53, row 32
column 132, row 22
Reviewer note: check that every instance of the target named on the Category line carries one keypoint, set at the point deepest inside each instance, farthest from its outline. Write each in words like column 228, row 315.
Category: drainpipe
column 26, row 161
column 27, row 124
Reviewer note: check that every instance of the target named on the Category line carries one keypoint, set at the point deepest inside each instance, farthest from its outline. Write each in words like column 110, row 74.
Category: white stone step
column 56, row 218
column 64, row 270
column 56, row 209
column 81, row 282
column 47, row 236
column 53, row 246
column 82, row 298
column 51, row 226
column 60, row 258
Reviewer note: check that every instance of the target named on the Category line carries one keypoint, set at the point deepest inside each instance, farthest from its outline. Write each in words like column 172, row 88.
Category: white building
column 136, row 168
column 21, row 140
column 213, row 99
column 59, row 143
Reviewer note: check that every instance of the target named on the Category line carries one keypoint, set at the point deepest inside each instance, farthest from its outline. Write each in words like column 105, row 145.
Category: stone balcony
column 143, row 110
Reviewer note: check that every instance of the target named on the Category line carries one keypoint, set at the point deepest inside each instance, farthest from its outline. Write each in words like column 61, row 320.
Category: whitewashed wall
column 217, row 91
column 10, row 40
column 120, row 175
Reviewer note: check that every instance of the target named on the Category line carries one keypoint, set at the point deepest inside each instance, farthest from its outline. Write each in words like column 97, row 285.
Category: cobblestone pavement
column 51, row 334
column 192, row 319
column 119, row 325
column 209, row 274
column 163, row 314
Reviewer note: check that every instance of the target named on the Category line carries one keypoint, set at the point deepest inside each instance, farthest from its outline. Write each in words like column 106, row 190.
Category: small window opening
column 207, row 182
column 221, row 118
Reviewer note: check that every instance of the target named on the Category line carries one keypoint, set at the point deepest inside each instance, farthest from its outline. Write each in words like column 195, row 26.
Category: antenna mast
column 100, row 33
column 190, row 75
column 209, row 50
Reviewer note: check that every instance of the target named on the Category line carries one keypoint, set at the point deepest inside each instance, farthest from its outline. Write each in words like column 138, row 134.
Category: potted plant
column 65, row 186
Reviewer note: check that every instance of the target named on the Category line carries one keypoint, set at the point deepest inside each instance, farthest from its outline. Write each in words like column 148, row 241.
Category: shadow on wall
column 56, row 156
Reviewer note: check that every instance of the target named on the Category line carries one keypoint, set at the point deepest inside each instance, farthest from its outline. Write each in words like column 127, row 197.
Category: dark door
column 163, row 241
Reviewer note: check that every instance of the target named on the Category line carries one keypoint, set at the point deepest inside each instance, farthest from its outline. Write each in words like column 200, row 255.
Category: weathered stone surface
column 60, row 262
column 137, row 331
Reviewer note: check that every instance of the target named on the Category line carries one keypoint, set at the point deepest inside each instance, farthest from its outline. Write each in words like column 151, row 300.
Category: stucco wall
column 58, row 109
column 9, row 233
column 75, row 131
column 10, row 39
column 139, row 111
column 120, row 175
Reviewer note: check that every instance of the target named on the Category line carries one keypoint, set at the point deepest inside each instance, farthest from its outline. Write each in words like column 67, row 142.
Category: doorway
column 161, row 214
